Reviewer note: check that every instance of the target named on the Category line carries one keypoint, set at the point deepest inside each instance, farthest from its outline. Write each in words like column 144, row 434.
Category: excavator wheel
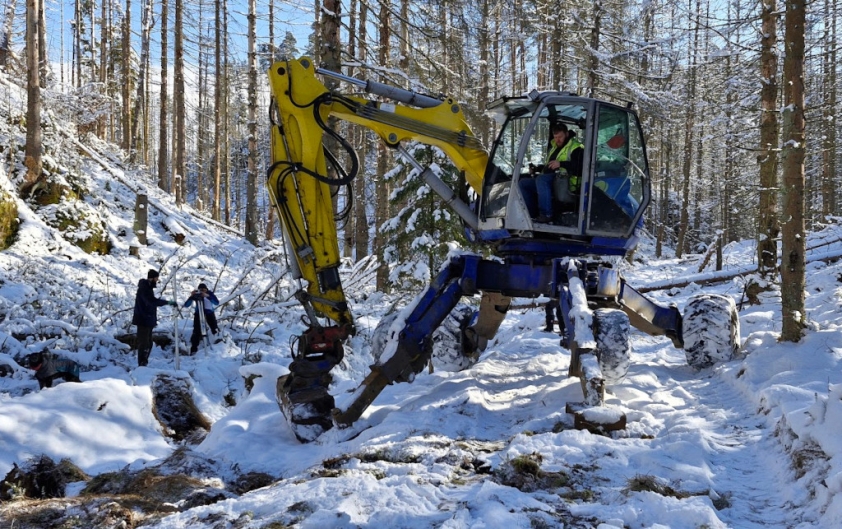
column 452, row 351
column 711, row 330
column 611, row 330
column 382, row 335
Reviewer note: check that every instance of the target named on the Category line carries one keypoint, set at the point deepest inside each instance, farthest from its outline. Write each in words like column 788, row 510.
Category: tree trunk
column 689, row 121
column 483, row 96
column 767, row 219
column 361, row 234
column 146, row 22
column 201, row 189
column 43, row 62
column 381, row 208
column 163, row 150
column 793, row 266
column 216, row 166
column 594, row 45
column 127, row 77
column 251, row 179
column 6, row 32
column 225, row 168
column 32, row 152
column 179, row 140
column 104, row 47
column 77, row 45
column 828, row 167
column 270, row 211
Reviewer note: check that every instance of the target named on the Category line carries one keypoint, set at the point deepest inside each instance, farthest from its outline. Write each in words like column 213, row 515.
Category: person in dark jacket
column 146, row 314
column 206, row 301
column 48, row 368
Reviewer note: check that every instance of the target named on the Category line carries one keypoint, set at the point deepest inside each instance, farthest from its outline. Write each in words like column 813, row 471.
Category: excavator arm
column 301, row 179
column 300, row 184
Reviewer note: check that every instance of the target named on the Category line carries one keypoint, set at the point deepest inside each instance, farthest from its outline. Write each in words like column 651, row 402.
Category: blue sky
column 294, row 16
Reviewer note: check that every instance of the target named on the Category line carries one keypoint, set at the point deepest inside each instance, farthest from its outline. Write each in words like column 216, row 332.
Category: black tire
column 611, row 330
column 451, row 349
column 711, row 330
column 383, row 335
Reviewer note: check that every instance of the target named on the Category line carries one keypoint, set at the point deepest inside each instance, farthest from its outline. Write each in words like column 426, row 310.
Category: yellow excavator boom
column 298, row 180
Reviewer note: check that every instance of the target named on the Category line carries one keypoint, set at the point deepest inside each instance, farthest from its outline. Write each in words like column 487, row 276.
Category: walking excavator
column 566, row 257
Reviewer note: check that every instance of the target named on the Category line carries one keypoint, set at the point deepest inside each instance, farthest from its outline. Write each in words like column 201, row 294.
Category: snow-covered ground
column 753, row 442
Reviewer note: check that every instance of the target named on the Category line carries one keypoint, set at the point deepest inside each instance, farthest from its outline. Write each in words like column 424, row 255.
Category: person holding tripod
column 206, row 301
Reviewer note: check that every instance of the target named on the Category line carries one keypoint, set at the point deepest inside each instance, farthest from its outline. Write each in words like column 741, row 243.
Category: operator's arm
column 148, row 299
column 574, row 165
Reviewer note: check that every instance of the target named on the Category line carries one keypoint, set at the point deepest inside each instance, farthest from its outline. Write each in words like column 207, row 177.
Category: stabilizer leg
column 578, row 337
column 492, row 312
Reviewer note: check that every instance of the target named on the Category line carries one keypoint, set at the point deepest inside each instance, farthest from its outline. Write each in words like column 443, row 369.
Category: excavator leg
column 409, row 344
column 492, row 311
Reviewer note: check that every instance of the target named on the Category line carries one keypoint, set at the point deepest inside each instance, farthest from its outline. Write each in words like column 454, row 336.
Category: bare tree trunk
column 483, row 96
column 317, row 32
column 43, row 63
column 357, row 134
column 251, row 179
column 404, row 40
column 594, row 45
column 146, row 22
column 828, row 169
column 104, row 47
column 127, row 83
column 77, row 43
column 767, row 219
column 689, row 120
column 201, row 189
column 179, row 140
column 163, row 151
column 224, row 162
column 361, row 235
column 381, row 208
column 6, row 32
column 666, row 182
column 793, row 265
column 32, row 152
column 270, row 211
column 217, row 111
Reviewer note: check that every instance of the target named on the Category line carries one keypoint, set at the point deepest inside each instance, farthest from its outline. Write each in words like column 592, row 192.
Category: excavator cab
column 607, row 203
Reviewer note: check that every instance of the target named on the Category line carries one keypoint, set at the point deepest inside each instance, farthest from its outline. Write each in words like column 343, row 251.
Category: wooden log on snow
column 161, row 339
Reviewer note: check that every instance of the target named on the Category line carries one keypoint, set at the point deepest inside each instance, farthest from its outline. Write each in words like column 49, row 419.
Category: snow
column 734, row 441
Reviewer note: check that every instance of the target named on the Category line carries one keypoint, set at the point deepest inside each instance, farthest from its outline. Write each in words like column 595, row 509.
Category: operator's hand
column 172, row 303
column 555, row 164
column 532, row 168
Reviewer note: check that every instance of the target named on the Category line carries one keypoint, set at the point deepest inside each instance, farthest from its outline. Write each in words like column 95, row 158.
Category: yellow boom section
column 302, row 106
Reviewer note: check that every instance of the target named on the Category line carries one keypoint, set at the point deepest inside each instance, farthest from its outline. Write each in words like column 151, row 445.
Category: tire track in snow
column 743, row 457
column 746, row 457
